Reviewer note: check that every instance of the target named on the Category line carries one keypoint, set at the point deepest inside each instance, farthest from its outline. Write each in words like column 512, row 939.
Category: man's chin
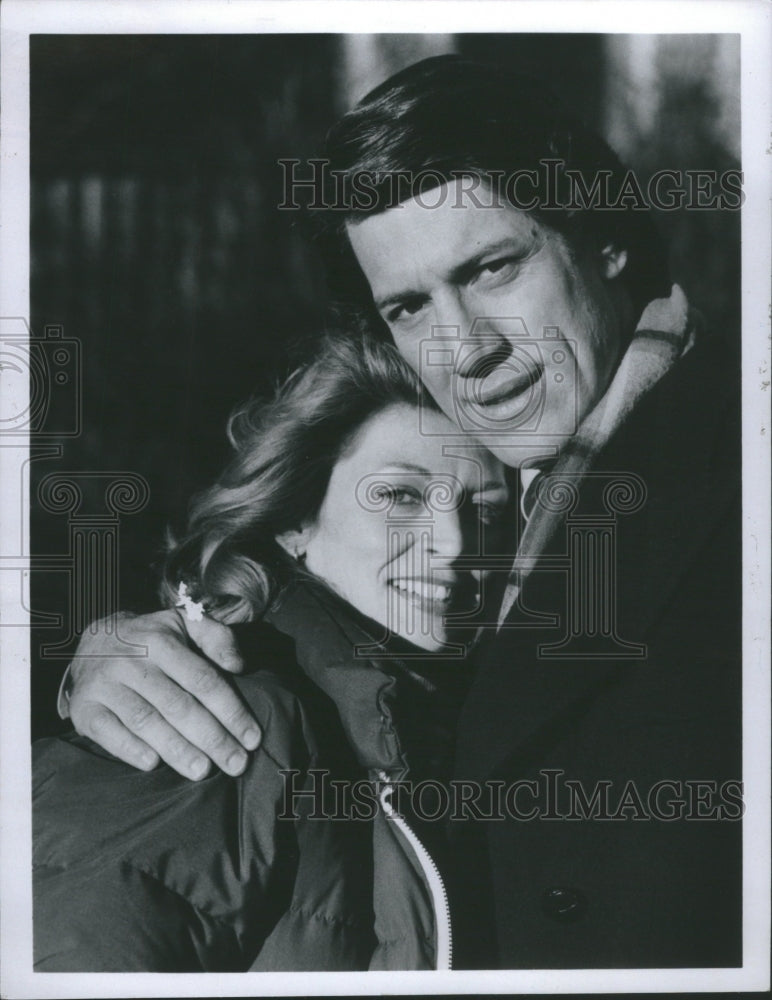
column 520, row 451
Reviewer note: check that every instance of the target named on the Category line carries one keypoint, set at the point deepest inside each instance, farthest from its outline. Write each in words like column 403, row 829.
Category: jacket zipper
column 437, row 890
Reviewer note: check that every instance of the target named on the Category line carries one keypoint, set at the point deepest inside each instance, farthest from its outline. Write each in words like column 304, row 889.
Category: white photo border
column 753, row 21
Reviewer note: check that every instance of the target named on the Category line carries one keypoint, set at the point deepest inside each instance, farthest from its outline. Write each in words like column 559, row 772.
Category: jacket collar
column 328, row 640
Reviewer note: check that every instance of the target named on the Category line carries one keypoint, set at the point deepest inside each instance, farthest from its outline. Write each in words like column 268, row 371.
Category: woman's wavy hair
column 285, row 450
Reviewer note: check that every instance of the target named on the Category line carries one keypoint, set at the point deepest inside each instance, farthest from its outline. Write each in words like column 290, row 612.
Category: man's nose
column 482, row 340
column 451, row 311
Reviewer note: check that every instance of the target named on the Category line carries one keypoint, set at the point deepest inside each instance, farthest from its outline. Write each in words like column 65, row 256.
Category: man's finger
column 200, row 679
column 141, row 717
column 179, row 706
column 217, row 642
column 173, row 702
column 108, row 731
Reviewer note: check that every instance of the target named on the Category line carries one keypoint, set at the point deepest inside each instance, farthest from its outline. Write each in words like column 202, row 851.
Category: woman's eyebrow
column 490, row 485
column 407, row 467
column 493, row 486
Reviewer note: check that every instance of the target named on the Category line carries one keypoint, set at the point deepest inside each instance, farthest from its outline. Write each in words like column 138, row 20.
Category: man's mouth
column 493, row 390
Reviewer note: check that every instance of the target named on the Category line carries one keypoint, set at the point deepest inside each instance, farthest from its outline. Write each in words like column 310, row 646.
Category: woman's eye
column 406, row 495
column 489, row 513
column 398, row 495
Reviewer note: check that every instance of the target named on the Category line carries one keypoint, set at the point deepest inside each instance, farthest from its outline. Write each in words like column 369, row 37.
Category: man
column 602, row 731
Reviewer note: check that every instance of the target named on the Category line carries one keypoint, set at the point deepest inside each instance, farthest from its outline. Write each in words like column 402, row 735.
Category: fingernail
column 236, row 763
column 199, row 767
column 251, row 738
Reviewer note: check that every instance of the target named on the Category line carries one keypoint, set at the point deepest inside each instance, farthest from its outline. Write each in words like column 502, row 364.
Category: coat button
column 564, row 905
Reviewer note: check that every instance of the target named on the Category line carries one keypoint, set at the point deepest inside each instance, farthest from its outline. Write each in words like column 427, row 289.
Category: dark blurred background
column 156, row 242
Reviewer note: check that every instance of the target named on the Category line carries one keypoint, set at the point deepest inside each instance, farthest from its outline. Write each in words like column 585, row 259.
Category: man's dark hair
column 447, row 117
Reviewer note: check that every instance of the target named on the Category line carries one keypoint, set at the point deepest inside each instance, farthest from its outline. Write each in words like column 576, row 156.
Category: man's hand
column 172, row 703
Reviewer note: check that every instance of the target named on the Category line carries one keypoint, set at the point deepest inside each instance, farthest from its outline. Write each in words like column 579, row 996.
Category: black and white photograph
column 384, row 428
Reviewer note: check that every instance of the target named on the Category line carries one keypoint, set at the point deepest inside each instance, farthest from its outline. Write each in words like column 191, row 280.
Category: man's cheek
column 437, row 379
column 442, row 395
column 411, row 352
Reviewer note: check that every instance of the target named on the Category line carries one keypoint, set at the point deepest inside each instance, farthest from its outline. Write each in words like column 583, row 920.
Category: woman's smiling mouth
column 436, row 598
column 435, row 593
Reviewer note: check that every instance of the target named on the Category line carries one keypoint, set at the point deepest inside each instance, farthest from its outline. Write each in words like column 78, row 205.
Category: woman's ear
column 295, row 541
column 613, row 259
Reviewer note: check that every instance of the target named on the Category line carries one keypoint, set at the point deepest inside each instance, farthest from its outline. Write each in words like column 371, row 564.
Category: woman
column 343, row 537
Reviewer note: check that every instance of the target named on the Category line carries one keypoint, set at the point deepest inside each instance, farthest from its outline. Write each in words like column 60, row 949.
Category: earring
column 614, row 260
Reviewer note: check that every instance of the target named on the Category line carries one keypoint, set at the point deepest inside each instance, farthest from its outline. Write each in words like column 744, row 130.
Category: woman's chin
column 440, row 641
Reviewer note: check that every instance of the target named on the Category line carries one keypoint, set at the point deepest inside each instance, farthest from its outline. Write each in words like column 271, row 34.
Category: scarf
column 665, row 332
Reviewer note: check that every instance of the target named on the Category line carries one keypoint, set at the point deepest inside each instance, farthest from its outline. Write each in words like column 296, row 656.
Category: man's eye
column 404, row 311
column 501, row 268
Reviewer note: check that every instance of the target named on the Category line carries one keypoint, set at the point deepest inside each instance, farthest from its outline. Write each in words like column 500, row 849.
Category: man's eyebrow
column 397, row 297
column 462, row 270
column 459, row 272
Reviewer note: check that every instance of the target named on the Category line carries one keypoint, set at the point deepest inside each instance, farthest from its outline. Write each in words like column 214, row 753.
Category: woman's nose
column 448, row 538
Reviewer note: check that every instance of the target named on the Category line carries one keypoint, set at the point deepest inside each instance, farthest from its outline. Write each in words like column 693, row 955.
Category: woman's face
column 399, row 516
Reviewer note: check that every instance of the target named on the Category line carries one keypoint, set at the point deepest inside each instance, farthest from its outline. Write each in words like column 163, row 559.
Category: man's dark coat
column 639, row 890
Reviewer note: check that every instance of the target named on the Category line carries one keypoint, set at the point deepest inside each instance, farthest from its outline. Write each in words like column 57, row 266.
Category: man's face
column 533, row 327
